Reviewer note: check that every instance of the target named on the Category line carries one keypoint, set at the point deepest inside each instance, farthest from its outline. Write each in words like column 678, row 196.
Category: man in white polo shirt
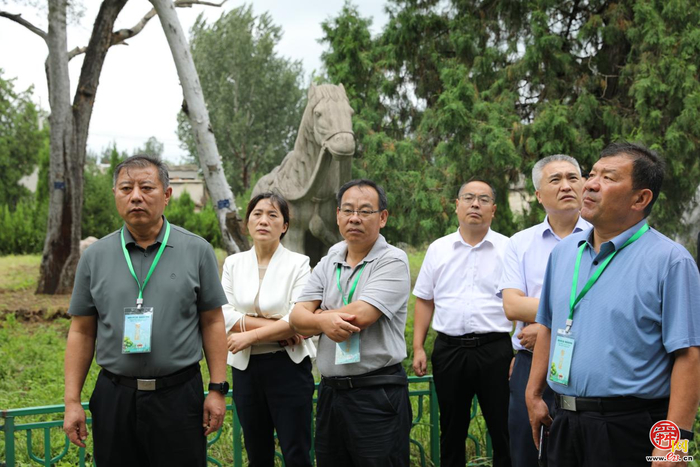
column 558, row 186
column 458, row 282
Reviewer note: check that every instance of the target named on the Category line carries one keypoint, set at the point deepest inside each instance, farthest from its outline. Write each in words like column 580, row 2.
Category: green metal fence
column 421, row 392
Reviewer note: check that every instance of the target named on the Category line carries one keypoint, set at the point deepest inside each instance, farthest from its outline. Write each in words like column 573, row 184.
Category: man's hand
column 74, row 424
column 510, row 370
column 420, row 362
column 214, row 412
column 670, row 463
column 291, row 341
column 337, row 326
column 528, row 336
column 538, row 412
column 240, row 341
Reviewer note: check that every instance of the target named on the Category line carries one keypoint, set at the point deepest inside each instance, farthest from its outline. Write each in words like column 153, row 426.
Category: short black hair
column 648, row 167
column 477, row 179
column 362, row 182
column 142, row 161
column 275, row 199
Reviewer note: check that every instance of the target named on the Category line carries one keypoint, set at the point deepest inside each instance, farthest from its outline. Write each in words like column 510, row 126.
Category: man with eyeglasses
column 356, row 298
column 456, row 287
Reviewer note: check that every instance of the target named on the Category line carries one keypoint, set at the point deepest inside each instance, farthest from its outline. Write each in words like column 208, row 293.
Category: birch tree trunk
column 196, row 110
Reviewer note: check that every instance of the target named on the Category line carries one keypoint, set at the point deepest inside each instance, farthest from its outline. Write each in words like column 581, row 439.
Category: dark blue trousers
column 522, row 446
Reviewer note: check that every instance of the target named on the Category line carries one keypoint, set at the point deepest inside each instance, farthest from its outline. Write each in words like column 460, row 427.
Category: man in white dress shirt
column 458, row 282
column 558, row 186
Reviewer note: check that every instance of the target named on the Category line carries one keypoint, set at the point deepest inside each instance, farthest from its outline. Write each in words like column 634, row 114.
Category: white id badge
column 560, row 367
column 137, row 330
column 348, row 351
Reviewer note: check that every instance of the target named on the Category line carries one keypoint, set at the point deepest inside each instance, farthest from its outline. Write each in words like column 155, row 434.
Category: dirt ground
column 18, row 279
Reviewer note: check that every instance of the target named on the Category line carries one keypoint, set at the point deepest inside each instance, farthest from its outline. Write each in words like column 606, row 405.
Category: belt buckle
column 347, row 380
column 469, row 342
column 146, row 384
column 568, row 403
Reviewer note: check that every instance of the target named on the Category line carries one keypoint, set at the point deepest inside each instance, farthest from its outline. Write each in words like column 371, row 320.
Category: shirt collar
column 129, row 239
column 458, row 240
column 377, row 249
column 617, row 242
column 544, row 227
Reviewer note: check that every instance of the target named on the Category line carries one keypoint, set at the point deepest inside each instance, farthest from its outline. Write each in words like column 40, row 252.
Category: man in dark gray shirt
column 147, row 298
column 356, row 299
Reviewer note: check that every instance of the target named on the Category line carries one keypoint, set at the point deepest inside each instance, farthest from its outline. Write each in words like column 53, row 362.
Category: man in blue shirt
column 625, row 355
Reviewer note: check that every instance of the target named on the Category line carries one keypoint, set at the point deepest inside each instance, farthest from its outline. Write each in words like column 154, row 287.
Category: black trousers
column 594, row 439
column 460, row 373
column 366, row 427
column 274, row 393
column 148, row 428
column 522, row 446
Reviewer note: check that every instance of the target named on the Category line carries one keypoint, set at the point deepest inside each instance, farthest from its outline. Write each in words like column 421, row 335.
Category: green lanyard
column 574, row 298
column 139, row 300
column 354, row 284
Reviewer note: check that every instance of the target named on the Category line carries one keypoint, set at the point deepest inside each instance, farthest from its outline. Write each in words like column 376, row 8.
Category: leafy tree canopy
column 21, row 140
column 455, row 89
column 254, row 97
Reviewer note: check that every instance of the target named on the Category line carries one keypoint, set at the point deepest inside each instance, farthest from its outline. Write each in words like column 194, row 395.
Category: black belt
column 472, row 340
column 374, row 378
column 153, row 384
column 605, row 404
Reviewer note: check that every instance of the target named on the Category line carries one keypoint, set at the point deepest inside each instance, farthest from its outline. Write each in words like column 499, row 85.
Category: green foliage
column 21, row 140
column 254, row 97
column 22, row 229
column 100, row 216
column 204, row 223
column 457, row 89
column 151, row 147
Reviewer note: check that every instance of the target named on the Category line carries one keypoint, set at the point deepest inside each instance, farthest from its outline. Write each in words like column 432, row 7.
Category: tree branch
column 189, row 3
column 18, row 19
column 75, row 52
column 118, row 37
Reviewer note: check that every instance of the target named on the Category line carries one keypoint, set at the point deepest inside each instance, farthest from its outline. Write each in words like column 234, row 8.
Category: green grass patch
column 19, row 272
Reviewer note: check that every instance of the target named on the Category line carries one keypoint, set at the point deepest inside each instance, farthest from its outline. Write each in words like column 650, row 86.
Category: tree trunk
column 61, row 232
column 69, row 132
column 209, row 158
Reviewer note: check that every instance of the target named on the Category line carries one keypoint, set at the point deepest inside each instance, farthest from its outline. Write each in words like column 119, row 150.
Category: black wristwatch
column 219, row 387
column 685, row 434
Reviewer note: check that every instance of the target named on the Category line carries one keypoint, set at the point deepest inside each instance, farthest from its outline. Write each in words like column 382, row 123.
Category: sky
column 139, row 94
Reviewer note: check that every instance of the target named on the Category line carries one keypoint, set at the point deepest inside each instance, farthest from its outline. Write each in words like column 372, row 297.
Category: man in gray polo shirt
column 148, row 298
column 356, row 299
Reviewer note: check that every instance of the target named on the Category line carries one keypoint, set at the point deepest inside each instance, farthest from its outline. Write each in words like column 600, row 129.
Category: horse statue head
column 327, row 122
column 322, row 155
column 311, row 174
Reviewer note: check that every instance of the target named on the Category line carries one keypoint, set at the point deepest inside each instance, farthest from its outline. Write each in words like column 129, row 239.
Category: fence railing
column 421, row 392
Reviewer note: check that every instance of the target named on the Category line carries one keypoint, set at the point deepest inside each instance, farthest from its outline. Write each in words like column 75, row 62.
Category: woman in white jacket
column 271, row 365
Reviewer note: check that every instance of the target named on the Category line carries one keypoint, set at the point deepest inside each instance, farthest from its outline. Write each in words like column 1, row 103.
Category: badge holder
column 348, row 351
column 560, row 367
column 138, row 322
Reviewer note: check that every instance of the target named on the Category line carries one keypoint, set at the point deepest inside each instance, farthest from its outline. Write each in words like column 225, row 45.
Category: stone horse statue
column 309, row 176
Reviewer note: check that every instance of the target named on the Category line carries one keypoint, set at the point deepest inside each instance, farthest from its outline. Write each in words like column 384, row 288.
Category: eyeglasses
column 363, row 213
column 483, row 200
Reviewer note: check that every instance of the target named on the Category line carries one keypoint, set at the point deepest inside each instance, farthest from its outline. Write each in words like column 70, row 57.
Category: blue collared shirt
column 645, row 306
column 525, row 262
